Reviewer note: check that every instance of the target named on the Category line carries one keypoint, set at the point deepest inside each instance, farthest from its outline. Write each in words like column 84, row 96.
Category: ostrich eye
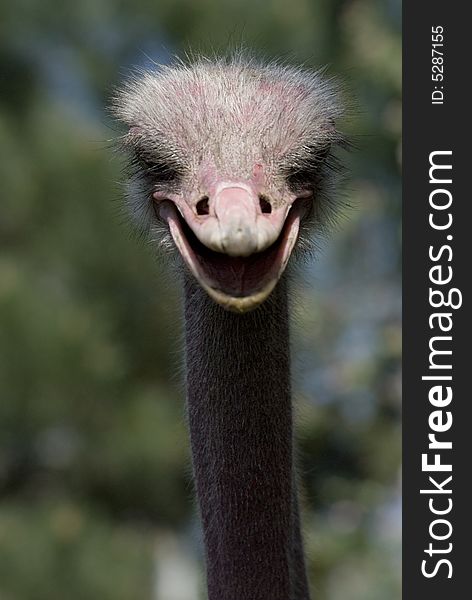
column 307, row 167
column 155, row 168
column 159, row 170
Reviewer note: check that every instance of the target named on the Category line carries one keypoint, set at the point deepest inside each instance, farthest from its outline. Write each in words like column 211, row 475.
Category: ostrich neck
column 240, row 420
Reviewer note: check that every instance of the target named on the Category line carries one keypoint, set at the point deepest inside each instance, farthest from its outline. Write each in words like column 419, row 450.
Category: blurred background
column 96, row 498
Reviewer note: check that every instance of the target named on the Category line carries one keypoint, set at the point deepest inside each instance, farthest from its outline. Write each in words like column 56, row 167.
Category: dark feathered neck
column 240, row 419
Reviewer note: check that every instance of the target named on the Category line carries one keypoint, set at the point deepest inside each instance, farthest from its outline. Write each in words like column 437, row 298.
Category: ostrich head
column 230, row 164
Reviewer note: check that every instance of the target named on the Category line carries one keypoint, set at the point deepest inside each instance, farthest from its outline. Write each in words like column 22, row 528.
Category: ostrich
column 230, row 173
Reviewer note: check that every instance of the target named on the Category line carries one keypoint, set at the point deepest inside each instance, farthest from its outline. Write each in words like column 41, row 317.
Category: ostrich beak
column 236, row 251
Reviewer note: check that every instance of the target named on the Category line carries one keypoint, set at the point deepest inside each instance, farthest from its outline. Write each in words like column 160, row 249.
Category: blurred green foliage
column 94, row 467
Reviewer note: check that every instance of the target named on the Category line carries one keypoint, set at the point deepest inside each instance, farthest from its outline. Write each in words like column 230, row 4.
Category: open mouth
column 237, row 283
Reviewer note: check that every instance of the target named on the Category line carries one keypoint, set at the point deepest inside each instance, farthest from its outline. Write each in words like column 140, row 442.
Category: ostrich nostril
column 265, row 204
column 202, row 206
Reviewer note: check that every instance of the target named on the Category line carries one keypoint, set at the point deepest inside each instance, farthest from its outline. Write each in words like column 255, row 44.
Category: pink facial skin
column 234, row 221
column 248, row 240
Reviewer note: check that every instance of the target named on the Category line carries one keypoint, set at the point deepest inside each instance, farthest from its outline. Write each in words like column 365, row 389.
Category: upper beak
column 235, row 224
